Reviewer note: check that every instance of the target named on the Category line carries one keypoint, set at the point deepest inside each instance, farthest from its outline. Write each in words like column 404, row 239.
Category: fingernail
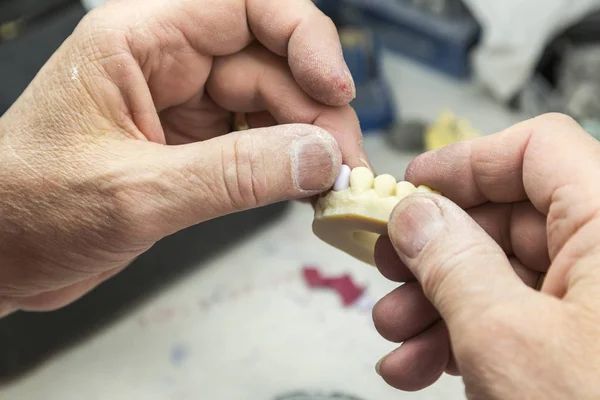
column 416, row 221
column 343, row 180
column 378, row 365
column 314, row 157
column 365, row 160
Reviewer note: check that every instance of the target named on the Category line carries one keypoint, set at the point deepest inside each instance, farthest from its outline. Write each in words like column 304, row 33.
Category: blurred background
column 224, row 310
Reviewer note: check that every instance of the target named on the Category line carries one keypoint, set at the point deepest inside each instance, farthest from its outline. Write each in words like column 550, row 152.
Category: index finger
column 298, row 30
column 267, row 84
column 549, row 160
column 530, row 160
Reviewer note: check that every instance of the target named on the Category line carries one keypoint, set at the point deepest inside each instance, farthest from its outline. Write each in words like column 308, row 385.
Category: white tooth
column 361, row 180
column 404, row 189
column 385, row 185
column 343, row 180
column 424, row 189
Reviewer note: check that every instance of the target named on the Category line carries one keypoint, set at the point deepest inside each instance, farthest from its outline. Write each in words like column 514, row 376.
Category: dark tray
column 21, row 58
column 11, row 10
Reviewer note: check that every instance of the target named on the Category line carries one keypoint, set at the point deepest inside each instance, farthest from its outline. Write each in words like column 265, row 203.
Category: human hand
column 122, row 138
column 532, row 200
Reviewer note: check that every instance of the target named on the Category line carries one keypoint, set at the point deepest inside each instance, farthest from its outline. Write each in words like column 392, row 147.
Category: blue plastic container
column 443, row 43
column 374, row 103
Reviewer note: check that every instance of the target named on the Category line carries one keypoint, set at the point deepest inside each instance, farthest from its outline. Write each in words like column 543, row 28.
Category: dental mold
column 356, row 211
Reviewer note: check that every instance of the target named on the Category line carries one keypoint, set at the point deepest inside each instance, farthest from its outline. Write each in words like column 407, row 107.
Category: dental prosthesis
column 356, row 211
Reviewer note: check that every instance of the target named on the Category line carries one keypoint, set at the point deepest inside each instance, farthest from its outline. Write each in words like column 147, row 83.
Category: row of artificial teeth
column 362, row 179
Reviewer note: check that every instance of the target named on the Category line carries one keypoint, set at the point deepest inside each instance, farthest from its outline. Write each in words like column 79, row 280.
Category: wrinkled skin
column 122, row 138
column 520, row 202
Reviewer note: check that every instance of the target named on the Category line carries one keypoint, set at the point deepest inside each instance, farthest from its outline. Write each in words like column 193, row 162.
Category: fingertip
column 333, row 91
column 419, row 362
column 404, row 313
column 317, row 62
column 413, row 168
column 447, row 170
column 452, row 367
column 331, row 88
column 419, row 169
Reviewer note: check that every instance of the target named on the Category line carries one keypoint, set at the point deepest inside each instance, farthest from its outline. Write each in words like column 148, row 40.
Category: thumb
column 462, row 270
column 240, row 171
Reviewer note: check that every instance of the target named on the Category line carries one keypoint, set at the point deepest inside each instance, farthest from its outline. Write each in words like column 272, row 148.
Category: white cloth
column 91, row 4
column 514, row 36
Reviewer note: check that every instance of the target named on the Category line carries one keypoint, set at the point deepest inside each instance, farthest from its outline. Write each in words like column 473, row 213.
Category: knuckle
column 102, row 39
column 560, row 119
column 122, row 218
column 95, row 35
column 570, row 214
column 383, row 320
column 328, row 21
column 213, row 18
column 232, row 12
column 244, row 175
column 132, row 216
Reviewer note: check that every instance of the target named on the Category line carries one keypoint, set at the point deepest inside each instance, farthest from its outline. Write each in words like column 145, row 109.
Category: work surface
column 246, row 326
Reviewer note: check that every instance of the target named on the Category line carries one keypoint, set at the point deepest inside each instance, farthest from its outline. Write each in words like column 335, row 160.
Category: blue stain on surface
column 179, row 354
column 270, row 248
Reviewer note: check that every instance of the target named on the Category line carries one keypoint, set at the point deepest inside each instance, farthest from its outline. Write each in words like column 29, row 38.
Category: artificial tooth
column 404, row 189
column 385, row 185
column 361, row 180
column 343, row 180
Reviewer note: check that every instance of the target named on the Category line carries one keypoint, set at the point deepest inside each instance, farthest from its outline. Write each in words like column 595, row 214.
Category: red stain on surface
column 344, row 285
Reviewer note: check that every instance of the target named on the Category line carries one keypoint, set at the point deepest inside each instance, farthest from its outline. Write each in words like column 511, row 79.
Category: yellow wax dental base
column 355, row 213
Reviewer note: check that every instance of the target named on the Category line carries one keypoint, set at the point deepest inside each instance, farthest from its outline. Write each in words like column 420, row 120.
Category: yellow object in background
column 448, row 129
column 10, row 30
